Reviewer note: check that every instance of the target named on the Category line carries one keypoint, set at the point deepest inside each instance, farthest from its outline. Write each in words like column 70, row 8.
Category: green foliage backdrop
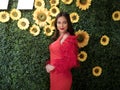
column 23, row 56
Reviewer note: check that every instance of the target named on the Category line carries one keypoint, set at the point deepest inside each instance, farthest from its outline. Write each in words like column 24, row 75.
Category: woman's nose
column 62, row 24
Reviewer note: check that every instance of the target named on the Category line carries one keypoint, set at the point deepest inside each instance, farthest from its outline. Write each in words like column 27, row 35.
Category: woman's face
column 62, row 24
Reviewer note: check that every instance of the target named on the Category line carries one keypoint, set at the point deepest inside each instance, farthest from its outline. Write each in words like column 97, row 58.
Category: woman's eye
column 65, row 22
column 58, row 22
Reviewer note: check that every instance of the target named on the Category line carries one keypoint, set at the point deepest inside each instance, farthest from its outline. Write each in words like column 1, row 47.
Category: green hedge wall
column 23, row 56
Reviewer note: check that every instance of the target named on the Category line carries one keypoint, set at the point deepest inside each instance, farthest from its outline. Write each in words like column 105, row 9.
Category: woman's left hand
column 49, row 68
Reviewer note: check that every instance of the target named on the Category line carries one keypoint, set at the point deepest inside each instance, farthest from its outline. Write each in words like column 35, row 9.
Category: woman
column 63, row 54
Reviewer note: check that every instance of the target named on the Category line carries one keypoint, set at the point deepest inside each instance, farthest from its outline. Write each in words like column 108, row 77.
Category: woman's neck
column 62, row 34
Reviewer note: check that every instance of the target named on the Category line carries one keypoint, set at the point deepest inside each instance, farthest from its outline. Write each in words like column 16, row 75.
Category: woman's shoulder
column 70, row 43
column 72, row 38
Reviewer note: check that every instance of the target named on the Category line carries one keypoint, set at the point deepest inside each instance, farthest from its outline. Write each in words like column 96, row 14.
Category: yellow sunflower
column 82, row 56
column 74, row 17
column 83, row 4
column 104, row 40
column 97, row 71
column 15, row 14
column 4, row 16
column 39, row 3
column 41, row 16
column 116, row 16
column 23, row 23
column 34, row 30
column 54, row 11
column 54, row 2
column 52, row 24
column 67, row 1
column 82, row 37
column 47, row 30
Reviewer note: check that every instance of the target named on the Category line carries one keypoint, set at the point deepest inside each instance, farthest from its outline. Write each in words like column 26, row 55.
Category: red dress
column 64, row 58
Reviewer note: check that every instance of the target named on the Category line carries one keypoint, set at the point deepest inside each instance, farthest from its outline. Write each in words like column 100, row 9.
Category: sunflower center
column 96, row 70
column 81, row 56
column 83, row 2
column 39, row 4
column 23, row 23
column 34, row 30
column 53, row 1
column 4, row 16
column 74, row 18
column 80, row 38
column 48, row 30
column 104, row 39
column 116, row 15
column 14, row 14
column 52, row 24
column 42, row 17
column 54, row 10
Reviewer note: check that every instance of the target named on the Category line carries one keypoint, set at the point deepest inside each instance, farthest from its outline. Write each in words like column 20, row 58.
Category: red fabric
column 64, row 58
column 47, row 62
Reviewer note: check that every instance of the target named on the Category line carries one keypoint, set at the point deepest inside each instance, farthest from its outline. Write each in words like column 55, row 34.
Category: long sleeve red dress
column 63, row 57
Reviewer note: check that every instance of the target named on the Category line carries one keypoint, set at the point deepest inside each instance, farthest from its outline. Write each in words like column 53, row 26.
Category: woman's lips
column 61, row 28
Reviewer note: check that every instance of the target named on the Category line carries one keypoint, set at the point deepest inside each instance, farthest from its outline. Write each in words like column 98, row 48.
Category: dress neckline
column 61, row 37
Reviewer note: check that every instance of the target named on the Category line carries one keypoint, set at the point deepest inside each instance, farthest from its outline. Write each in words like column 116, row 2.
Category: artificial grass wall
column 23, row 56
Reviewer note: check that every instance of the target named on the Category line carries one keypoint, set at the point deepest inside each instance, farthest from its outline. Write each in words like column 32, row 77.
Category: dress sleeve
column 69, row 52
column 47, row 62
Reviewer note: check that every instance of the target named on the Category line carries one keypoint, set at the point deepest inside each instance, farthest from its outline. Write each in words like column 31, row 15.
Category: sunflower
column 4, row 16
column 54, row 2
column 116, row 16
column 104, row 40
column 52, row 24
column 97, row 71
column 74, row 17
column 39, row 3
column 23, row 23
column 35, row 30
column 83, row 4
column 54, row 11
column 67, row 1
column 15, row 14
column 47, row 30
column 82, row 37
column 41, row 16
column 82, row 56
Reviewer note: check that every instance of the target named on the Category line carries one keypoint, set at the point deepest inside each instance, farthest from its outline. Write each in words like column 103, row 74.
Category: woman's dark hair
column 70, row 28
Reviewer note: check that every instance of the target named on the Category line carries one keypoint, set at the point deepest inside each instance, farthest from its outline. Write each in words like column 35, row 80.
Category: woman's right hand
column 49, row 68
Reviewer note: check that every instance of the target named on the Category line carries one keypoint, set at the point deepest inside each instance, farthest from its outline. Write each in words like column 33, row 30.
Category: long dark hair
column 70, row 28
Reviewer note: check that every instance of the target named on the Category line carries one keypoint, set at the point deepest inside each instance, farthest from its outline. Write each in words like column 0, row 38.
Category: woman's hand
column 49, row 68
